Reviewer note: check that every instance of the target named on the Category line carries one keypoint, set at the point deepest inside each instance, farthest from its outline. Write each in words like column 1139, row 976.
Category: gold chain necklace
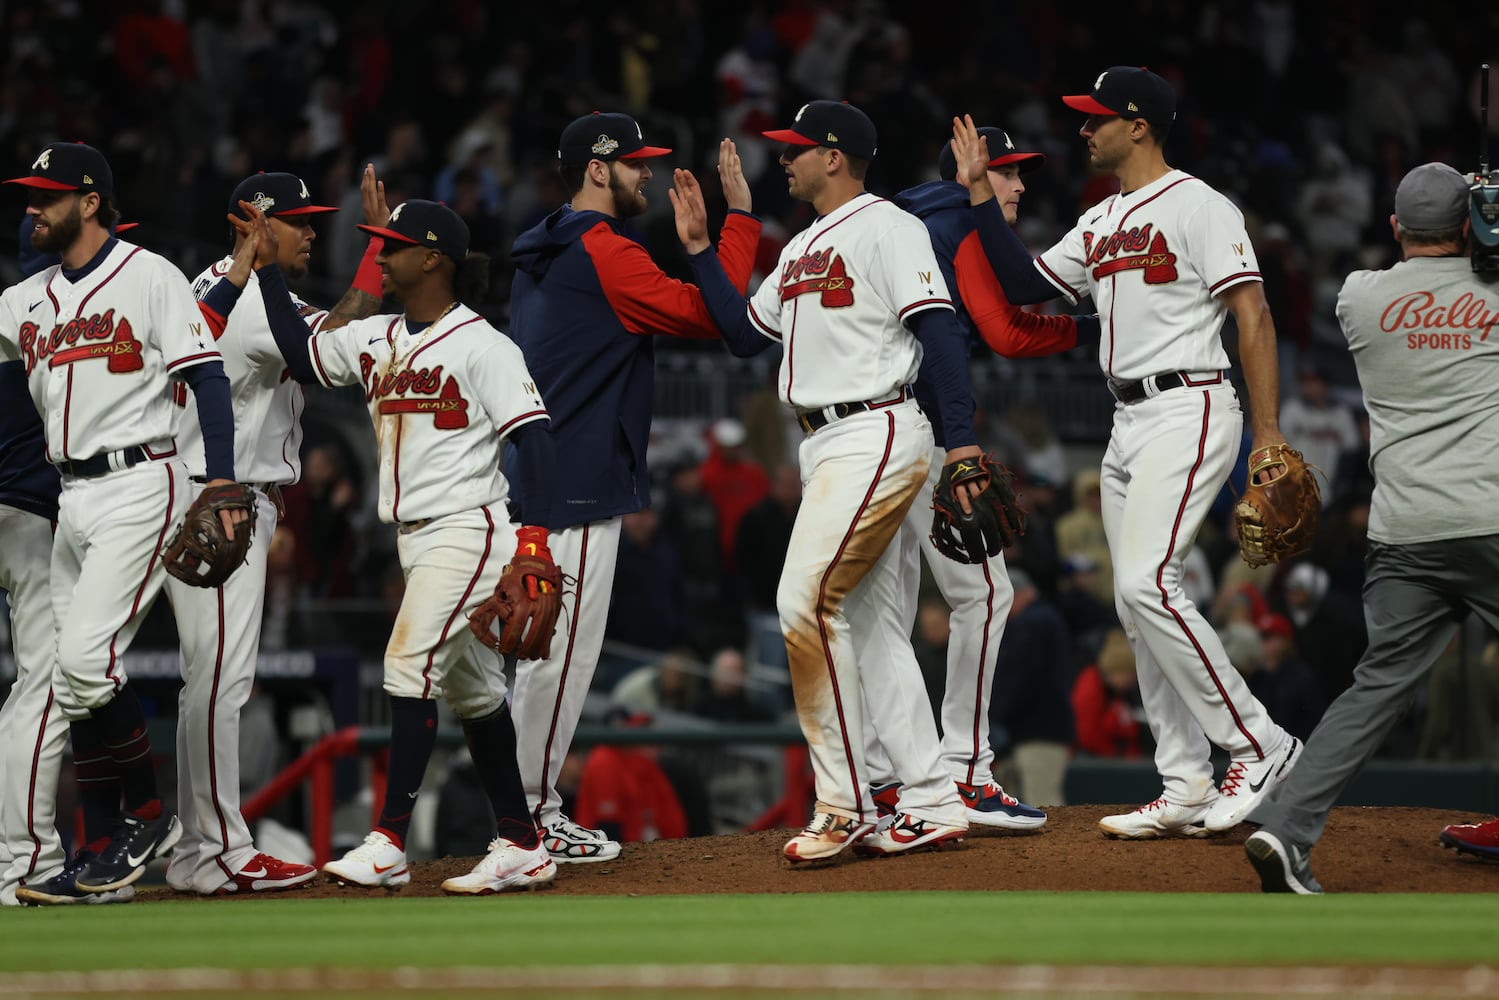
column 397, row 362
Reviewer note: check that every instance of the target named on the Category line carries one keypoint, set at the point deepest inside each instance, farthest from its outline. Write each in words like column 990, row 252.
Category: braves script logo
column 1139, row 248
column 443, row 399
column 818, row 271
column 102, row 338
column 1441, row 325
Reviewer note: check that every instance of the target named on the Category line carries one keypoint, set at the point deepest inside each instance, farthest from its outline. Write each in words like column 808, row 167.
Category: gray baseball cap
column 1431, row 198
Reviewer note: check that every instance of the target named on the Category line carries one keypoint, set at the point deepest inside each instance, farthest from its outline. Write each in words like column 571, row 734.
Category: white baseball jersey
column 441, row 399
column 96, row 349
column 268, row 402
column 843, row 287
column 1155, row 261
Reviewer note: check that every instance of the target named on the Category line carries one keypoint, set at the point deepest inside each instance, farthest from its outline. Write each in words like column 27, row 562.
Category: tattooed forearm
column 354, row 305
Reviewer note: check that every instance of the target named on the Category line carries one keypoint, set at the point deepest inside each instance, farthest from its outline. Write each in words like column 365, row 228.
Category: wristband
column 367, row 277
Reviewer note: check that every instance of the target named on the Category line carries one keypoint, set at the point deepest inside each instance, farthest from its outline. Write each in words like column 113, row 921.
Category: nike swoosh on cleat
column 136, row 862
column 382, row 871
column 249, row 874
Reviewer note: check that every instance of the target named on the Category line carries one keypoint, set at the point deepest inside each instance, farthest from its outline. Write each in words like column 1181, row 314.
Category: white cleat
column 1248, row 783
column 375, row 864
column 825, row 837
column 1157, row 819
column 572, row 843
column 506, row 868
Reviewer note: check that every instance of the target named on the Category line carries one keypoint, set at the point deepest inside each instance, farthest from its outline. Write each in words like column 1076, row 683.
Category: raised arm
column 364, row 294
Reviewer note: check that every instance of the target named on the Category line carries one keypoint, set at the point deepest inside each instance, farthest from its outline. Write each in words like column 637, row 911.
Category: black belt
column 262, row 487
column 813, row 420
column 87, row 468
column 1134, row 392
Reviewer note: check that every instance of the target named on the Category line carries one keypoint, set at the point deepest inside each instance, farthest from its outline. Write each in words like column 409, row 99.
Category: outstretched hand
column 244, row 254
column 691, row 213
column 267, row 244
column 372, row 195
column 972, row 153
column 736, row 189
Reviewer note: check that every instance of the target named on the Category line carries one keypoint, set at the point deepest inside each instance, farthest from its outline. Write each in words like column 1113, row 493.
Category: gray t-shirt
column 1424, row 339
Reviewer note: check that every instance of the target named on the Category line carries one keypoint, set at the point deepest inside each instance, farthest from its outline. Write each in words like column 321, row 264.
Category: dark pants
column 1415, row 596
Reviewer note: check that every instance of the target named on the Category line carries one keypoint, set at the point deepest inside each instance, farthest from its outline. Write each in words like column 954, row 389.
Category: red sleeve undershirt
column 1009, row 330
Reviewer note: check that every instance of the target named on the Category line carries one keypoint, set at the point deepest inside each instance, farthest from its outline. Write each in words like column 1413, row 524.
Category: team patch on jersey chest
column 429, row 393
column 820, row 271
column 1140, row 248
column 103, row 337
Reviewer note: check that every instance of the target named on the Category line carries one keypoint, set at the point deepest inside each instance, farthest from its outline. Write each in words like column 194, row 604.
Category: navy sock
column 98, row 782
column 123, row 726
column 491, row 743
column 413, row 734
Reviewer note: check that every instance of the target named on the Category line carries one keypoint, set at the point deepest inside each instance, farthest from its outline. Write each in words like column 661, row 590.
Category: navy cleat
column 134, row 844
column 62, row 890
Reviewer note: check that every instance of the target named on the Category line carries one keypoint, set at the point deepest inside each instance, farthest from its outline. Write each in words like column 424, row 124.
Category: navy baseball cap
column 429, row 224
column 1000, row 146
column 1129, row 92
column 604, row 136
column 834, row 124
column 275, row 194
column 69, row 166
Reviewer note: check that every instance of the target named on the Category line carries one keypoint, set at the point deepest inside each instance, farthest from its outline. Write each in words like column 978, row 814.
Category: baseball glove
column 994, row 520
column 1277, row 519
column 526, row 602
column 201, row 553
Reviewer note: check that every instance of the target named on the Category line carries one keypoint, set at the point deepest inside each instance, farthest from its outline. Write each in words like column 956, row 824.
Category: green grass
column 859, row 928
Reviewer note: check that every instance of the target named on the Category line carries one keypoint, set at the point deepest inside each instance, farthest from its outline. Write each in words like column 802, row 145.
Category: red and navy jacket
column 584, row 307
column 984, row 312
column 27, row 480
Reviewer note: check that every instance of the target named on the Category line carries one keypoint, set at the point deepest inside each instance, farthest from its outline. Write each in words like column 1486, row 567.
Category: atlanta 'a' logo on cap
column 801, row 112
column 43, row 162
column 304, row 192
column 397, row 213
column 604, row 145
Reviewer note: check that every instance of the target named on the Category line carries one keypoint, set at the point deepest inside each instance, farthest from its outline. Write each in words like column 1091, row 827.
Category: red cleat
column 267, row 874
column 1481, row 839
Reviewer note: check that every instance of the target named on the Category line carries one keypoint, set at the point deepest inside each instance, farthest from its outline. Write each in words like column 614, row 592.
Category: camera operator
column 1420, row 336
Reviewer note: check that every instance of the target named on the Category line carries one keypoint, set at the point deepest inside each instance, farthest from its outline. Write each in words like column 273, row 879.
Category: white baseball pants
column 1166, row 460
column 549, row 693
column 842, row 580
column 107, row 569
column 219, row 632
column 33, row 731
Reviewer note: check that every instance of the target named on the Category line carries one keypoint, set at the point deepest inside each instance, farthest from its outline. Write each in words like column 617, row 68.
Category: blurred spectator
column 1329, row 627
column 318, row 514
column 1080, row 533
column 772, row 434
column 1197, row 578
column 1235, row 576
column 671, row 683
column 731, row 481
column 690, row 520
column 1352, row 476
column 1282, row 682
column 1341, row 545
column 763, row 535
column 283, row 625
column 1036, row 550
column 1462, row 715
column 726, row 699
column 1106, row 701
column 1088, row 619
column 1040, row 454
column 147, row 38
column 649, row 607
column 624, row 792
column 1334, row 208
column 1318, row 426
column 748, row 83
column 1030, row 716
column 470, row 160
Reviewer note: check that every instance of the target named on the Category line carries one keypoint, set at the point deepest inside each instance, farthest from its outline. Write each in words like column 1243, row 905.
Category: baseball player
column 585, row 306
column 219, row 628
column 100, row 335
column 1164, row 261
column 1419, row 332
column 32, row 729
column 979, row 595
column 445, row 390
column 857, row 301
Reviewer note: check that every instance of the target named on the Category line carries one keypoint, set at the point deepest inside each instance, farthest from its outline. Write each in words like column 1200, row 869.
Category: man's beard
column 60, row 234
column 628, row 203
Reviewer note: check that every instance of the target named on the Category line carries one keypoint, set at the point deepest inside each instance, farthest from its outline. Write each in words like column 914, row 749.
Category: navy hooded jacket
column 27, row 480
column 983, row 310
column 584, row 305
